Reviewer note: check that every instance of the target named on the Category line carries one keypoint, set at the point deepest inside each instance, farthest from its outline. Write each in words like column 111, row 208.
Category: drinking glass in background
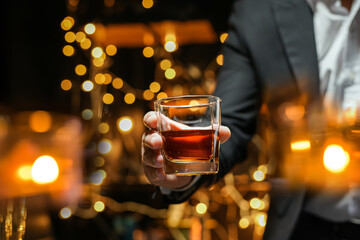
column 189, row 126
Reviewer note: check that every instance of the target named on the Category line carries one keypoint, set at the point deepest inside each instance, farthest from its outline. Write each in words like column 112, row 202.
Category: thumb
column 224, row 134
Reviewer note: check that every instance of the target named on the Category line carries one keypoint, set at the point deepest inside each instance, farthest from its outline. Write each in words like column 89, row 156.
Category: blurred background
column 103, row 63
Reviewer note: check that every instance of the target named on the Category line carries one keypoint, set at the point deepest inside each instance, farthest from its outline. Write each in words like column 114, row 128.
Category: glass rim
column 217, row 100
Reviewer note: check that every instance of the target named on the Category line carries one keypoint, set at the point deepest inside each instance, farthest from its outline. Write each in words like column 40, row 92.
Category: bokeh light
column 45, row 170
column 336, row 158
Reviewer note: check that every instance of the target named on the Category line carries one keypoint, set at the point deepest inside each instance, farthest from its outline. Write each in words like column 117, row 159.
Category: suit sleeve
column 238, row 88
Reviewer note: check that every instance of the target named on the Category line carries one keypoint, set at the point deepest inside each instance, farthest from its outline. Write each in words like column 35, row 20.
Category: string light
column 66, row 85
column 148, row 94
column 244, row 223
column 70, row 37
column 65, row 213
column 161, row 95
column 108, row 78
column 170, row 73
column 67, row 23
column 111, row 50
column 148, row 52
column 104, row 146
column 99, row 206
column 80, row 69
column 103, row 127
column 68, row 50
column 85, row 44
column 80, row 36
column 87, row 114
column 165, row 64
column 155, row 87
column 147, row 3
column 89, row 28
column 99, row 161
column 125, row 124
column 97, row 52
column 117, row 83
column 201, row 208
column 44, row 170
column 108, row 98
column 100, row 78
column 87, row 86
column 40, row 121
column 129, row 98
column 259, row 175
column 170, row 46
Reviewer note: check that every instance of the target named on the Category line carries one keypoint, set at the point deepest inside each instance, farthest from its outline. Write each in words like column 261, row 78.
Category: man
column 279, row 51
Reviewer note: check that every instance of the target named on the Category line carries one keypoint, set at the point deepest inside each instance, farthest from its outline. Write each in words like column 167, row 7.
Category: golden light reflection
column 148, row 94
column 111, row 50
column 125, row 124
column 129, row 98
column 80, row 36
column 44, row 170
column 87, row 86
column 244, row 223
column 103, row 128
column 67, row 23
column 335, row 158
column 68, row 50
column 66, row 85
column 161, row 95
column 85, row 44
column 223, row 37
column 147, row 3
column 108, row 98
column 170, row 73
column 80, row 69
column 24, row 172
column 99, row 78
column 201, row 208
column 165, row 64
column 89, row 28
column 155, row 87
column 302, row 145
column 99, row 206
column 70, row 37
column 117, row 83
column 98, row 62
column 108, row 78
column 295, row 112
column 40, row 121
column 220, row 59
column 65, row 213
column 148, row 52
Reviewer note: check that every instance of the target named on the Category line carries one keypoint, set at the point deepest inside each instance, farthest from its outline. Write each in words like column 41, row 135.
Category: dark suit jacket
column 269, row 57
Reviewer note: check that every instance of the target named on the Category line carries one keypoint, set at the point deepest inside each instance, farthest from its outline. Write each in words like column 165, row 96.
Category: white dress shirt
column 337, row 37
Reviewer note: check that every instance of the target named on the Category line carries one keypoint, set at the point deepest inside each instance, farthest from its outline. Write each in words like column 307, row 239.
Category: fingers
column 224, row 134
column 150, row 120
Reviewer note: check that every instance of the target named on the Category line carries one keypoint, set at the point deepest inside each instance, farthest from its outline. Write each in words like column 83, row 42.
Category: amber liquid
column 190, row 145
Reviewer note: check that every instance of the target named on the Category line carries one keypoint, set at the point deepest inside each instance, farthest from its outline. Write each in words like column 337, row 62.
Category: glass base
column 182, row 168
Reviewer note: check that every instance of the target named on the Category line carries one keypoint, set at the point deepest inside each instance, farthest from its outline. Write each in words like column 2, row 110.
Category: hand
column 152, row 160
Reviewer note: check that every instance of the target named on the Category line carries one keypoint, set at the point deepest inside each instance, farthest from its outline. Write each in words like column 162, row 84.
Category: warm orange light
column 100, row 78
column 155, row 87
column 66, row 85
column 108, row 98
column 24, row 172
column 148, row 94
column 255, row 203
column 68, row 50
column 40, row 121
column 103, row 127
column 220, row 59
column 87, row 114
column 70, row 37
column 261, row 219
column 85, row 44
column 67, row 23
column 129, row 98
column 117, row 83
column 80, row 69
column 148, row 52
column 108, row 78
column 170, row 73
column 80, row 36
column 147, row 3
column 302, row 145
column 44, row 170
column 244, row 223
column 223, row 37
column 165, row 64
column 295, row 112
column 111, row 50
column 336, row 158
column 161, row 95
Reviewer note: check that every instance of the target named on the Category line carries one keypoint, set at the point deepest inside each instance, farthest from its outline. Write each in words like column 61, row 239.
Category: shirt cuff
column 167, row 191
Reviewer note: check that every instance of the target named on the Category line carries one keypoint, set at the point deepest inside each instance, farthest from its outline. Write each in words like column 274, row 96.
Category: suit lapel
column 295, row 23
